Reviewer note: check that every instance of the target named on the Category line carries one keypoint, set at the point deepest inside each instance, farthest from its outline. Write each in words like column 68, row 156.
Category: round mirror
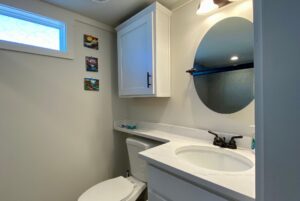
column 223, row 67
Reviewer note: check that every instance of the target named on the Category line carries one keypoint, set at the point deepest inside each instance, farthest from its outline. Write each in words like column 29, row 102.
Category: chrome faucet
column 221, row 142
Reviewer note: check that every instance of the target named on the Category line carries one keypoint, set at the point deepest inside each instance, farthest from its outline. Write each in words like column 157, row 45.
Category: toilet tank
column 138, row 167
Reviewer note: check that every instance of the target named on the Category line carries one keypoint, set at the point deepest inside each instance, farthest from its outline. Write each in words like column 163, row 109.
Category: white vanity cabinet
column 144, row 53
column 163, row 186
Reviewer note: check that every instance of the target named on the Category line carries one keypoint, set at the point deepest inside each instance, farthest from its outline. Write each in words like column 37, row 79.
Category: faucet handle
column 213, row 133
column 218, row 141
column 236, row 137
column 232, row 142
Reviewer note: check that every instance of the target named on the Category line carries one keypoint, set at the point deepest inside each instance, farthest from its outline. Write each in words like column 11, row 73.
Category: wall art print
column 91, row 84
column 91, row 42
column 91, row 64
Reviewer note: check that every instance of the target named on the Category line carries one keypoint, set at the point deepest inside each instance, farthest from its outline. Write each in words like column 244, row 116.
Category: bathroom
column 67, row 126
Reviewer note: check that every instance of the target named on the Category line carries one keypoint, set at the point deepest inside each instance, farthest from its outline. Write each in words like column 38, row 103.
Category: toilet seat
column 117, row 189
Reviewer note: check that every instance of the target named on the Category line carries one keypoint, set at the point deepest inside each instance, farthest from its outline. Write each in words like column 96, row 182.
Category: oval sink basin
column 214, row 158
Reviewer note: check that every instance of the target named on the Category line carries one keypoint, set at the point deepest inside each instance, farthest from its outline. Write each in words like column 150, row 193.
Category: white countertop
column 235, row 185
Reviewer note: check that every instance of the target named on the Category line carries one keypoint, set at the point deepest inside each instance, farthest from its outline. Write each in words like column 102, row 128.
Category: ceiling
column 111, row 12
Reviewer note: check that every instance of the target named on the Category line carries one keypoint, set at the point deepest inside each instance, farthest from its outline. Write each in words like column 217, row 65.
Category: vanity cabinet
column 163, row 186
column 144, row 53
column 154, row 197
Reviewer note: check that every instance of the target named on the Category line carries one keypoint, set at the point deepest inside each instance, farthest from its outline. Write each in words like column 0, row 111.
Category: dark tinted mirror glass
column 224, row 60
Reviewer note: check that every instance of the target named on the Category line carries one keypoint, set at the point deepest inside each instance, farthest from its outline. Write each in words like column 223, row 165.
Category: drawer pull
column 148, row 80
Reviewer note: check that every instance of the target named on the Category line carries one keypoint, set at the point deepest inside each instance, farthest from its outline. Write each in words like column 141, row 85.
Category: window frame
column 62, row 26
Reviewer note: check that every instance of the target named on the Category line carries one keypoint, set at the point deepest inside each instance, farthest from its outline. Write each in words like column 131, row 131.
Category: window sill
column 4, row 45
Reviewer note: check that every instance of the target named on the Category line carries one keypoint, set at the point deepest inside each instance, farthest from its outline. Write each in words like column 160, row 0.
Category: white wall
column 184, row 107
column 278, row 100
column 56, row 140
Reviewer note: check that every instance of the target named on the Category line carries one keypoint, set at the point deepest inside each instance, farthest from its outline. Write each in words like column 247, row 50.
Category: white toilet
column 121, row 188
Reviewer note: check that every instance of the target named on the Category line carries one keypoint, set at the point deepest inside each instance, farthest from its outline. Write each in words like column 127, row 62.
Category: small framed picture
column 90, row 42
column 91, row 64
column 91, row 84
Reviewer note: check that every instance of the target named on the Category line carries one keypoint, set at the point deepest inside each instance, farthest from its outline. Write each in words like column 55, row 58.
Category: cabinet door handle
column 148, row 80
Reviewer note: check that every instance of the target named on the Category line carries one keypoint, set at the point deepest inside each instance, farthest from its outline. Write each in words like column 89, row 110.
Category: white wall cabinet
column 163, row 186
column 144, row 54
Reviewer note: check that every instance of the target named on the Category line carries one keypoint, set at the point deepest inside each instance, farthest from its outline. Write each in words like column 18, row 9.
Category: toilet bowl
column 121, row 188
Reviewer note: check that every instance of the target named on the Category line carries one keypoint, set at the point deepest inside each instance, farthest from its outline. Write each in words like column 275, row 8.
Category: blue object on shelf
column 127, row 126
column 131, row 127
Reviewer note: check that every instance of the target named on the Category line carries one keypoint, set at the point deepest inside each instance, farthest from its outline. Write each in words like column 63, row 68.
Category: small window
column 22, row 27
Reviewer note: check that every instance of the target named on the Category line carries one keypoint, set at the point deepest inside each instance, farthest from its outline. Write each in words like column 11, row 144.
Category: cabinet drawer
column 175, row 189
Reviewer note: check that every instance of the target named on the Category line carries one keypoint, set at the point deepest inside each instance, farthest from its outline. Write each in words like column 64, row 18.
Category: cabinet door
column 135, row 57
column 171, row 188
column 155, row 197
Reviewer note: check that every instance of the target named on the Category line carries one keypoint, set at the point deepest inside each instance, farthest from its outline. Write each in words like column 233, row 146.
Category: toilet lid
column 117, row 189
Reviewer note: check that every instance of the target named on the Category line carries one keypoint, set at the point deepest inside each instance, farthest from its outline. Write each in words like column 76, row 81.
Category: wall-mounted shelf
column 200, row 70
